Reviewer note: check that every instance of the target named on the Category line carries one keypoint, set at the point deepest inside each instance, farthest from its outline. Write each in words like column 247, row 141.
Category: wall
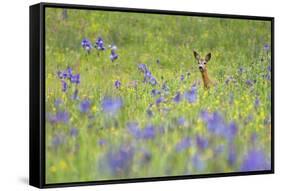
column 14, row 93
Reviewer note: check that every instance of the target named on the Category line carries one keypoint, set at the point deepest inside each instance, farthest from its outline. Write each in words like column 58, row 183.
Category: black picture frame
column 37, row 94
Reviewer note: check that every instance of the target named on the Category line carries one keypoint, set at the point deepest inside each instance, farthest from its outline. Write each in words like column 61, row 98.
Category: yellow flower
column 53, row 169
column 94, row 109
column 63, row 165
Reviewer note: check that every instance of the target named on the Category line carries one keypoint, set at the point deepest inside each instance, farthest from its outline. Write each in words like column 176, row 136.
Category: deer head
column 202, row 65
column 202, row 62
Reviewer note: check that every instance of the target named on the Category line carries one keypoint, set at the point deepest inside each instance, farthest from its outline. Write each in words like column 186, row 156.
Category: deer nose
column 201, row 67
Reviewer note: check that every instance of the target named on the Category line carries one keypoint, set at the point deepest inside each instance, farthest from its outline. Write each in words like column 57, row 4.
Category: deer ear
column 208, row 57
column 196, row 55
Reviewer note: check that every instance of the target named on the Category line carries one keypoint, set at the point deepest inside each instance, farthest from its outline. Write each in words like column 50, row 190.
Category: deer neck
column 206, row 80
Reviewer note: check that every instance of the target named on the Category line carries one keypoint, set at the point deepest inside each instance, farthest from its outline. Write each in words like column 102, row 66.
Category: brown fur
column 202, row 63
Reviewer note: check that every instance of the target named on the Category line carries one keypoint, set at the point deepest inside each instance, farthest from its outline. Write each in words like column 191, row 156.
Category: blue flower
column 121, row 160
column 266, row 47
column 102, row 142
column 177, row 97
column 111, row 105
column 249, row 83
column 255, row 160
column 75, row 79
column 142, row 68
column 86, row 44
column 148, row 132
column 155, row 92
column 99, row 44
column 58, row 102
column 231, row 131
column 117, row 84
column 181, row 121
column 202, row 142
column 191, row 95
column 85, row 106
column 152, row 81
column 231, row 156
column 62, row 116
column 73, row 132
column 113, row 55
column 198, row 163
column 216, row 123
column 159, row 100
column 64, row 86
column 134, row 129
column 59, row 117
column 75, row 95
column 57, row 140
column 183, row 144
column 182, row 77
column 257, row 102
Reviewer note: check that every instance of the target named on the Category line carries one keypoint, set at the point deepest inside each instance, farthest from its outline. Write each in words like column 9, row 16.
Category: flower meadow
column 125, row 97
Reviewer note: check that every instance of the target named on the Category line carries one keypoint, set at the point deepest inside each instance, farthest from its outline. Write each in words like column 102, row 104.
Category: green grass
column 144, row 38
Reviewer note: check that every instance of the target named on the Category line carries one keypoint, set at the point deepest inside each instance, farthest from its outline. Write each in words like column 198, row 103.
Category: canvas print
column 140, row 95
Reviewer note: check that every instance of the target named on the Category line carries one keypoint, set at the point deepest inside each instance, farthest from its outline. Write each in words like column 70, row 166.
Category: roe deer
column 202, row 64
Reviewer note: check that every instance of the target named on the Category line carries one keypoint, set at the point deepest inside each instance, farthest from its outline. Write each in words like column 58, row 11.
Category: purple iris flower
column 249, row 83
column 57, row 140
column 113, row 55
column 59, row 117
column 148, row 132
column 99, row 44
column 232, row 156
column 266, row 47
column 62, row 116
column 152, row 81
column 198, row 163
column 142, row 68
column 257, row 102
column 159, row 100
column 121, row 160
column 111, row 105
column 182, row 77
column 102, row 142
column 155, row 92
column 73, row 132
column 86, row 44
column 177, row 97
column 75, row 79
column 181, row 121
column 202, row 142
column 255, row 160
column 85, row 106
column 117, row 84
column 191, row 95
column 58, row 102
column 134, row 129
column 64, row 86
column 75, row 95
column 183, row 144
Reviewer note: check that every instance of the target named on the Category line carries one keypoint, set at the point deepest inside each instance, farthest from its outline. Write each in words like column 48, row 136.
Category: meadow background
column 108, row 120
